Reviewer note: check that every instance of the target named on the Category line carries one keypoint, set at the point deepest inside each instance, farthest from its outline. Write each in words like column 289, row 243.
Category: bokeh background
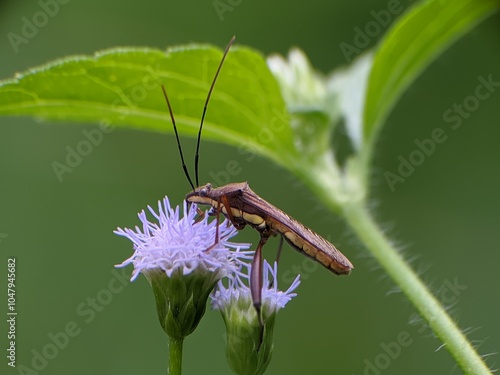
column 445, row 216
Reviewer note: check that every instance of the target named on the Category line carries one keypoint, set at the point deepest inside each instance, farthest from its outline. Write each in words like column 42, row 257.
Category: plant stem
column 429, row 307
column 175, row 356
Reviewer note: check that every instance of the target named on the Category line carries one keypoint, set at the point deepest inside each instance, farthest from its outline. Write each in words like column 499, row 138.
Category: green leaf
column 122, row 87
column 413, row 42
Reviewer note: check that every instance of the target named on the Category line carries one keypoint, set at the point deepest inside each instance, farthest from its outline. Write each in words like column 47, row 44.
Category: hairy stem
column 403, row 275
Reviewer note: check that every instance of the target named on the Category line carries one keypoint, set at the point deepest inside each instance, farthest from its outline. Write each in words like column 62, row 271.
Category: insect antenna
column 197, row 154
column 177, row 138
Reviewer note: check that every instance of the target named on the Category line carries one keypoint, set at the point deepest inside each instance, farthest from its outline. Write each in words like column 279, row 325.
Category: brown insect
column 243, row 207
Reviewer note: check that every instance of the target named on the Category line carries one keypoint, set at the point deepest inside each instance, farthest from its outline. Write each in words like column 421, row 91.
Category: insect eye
column 203, row 192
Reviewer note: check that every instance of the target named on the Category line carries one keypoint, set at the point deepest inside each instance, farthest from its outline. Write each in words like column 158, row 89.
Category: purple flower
column 182, row 262
column 175, row 244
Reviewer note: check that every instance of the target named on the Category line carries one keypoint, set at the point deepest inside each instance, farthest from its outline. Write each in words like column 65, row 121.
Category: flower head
column 273, row 299
column 175, row 244
column 249, row 346
column 182, row 262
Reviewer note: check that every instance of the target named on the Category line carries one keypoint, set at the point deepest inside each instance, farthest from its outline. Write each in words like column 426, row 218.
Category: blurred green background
column 445, row 216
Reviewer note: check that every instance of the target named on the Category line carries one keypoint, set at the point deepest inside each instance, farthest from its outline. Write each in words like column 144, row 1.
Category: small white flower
column 302, row 87
column 273, row 299
column 249, row 345
column 179, row 244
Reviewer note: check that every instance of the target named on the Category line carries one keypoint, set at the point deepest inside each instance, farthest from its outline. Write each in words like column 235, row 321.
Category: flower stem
column 175, row 356
column 429, row 307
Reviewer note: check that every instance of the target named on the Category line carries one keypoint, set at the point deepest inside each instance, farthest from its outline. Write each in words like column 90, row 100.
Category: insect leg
column 217, row 214
column 256, row 277
column 280, row 246
column 201, row 215
column 256, row 282
column 238, row 224
column 278, row 253
column 217, row 223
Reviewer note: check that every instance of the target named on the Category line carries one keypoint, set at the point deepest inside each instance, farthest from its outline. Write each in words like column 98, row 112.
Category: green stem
column 344, row 192
column 429, row 307
column 175, row 356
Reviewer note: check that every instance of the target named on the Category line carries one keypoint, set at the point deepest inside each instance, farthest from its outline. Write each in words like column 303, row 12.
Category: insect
column 243, row 207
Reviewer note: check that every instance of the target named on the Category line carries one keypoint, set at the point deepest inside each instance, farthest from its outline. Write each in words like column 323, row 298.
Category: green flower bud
column 249, row 345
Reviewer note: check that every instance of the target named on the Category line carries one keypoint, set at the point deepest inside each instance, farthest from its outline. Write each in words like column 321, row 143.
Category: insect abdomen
column 336, row 263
